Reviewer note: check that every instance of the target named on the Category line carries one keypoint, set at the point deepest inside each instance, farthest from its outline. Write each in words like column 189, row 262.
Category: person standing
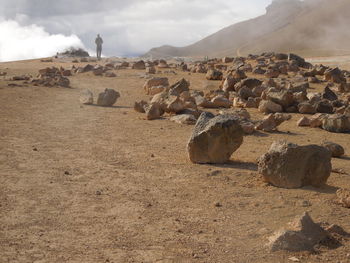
column 98, row 43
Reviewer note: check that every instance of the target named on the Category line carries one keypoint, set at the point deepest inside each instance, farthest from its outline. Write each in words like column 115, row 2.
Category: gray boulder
column 214, row 139
column 108, row 98
column 288, row 165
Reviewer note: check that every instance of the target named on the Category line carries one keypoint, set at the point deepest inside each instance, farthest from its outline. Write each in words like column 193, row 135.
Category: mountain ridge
column 287, row 26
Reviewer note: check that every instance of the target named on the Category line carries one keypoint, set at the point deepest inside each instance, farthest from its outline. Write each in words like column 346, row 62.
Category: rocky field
column 132, row 161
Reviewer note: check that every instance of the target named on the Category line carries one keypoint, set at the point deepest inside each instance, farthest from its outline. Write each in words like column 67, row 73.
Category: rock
column 303, row 122
column 335, row 149
column 151, row 70
column 110, row 74
column 153, row 111
column 267, row 106
column 227, row 60
column 324, row 106
column 98, row 71
column 328, row 94
column 316, row 120
column 247, row 126
column 272, row 73
column 155, row 82
column 241, row 113
column 250, row 83
column 229, row 84
column 87, row 97
column 272, row 121
column 188, row 119
column 344, row 197
column 239, row 74
column 258, row 70
column 156, row 89
column 214, row 139
column 140, row 65
column 214, row 74
column 244, row 93
column 108, row 98
column 304, row 234
column 162, row 64
column 284, row 98
column 306, row 108
column 221, row 102
column 180, row 87
column 140, row 106
column 174, row 104
column 300, row 97
column 334, row 75
column 336, row 123
column 251, row 103
column 288, row 165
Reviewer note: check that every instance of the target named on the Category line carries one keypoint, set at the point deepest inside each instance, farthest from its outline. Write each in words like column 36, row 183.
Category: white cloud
column 134, row 26
column 26, row 42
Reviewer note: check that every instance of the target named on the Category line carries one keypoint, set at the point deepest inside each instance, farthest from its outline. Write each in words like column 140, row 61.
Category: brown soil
column 93, row 184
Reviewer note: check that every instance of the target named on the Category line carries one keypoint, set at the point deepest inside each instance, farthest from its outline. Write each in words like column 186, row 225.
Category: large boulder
column 288, row 165
column 214, row 139
column 108, row 98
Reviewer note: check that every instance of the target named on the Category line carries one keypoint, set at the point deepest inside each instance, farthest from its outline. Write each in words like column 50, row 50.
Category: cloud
column 27, row 42
column 132, row 27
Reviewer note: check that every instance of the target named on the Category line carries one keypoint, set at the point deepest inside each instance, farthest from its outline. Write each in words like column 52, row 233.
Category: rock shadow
column 250, row 166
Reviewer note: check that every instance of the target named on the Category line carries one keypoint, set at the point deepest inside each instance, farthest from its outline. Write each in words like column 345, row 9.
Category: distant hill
column 310, row 28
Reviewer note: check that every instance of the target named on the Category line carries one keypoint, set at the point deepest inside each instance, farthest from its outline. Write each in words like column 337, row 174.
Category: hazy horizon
column 38, row 28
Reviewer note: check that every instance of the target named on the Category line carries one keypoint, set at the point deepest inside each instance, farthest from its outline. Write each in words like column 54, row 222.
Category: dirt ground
column 94, row 184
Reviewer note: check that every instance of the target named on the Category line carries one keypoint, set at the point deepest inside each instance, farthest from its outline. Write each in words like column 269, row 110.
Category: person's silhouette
column 98, row 43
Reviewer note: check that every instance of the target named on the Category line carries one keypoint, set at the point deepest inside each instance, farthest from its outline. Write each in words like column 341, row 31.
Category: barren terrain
column 101, row 184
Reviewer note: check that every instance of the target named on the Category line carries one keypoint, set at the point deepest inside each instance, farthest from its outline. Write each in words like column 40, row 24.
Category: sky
column 40, row 28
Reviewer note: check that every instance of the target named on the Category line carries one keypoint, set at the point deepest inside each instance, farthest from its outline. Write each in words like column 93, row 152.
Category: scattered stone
column 221, row 102
column 154, row 86
column 188, row 119
column 214, row 74
column 288, row 165
column 335, row 149
column 272, row 121
column 180, row 87
column 87, row 97
column 267, row 106
column 153, row 111
column 108, row 98
column 214, row 139
column 304, row 234
column 303, row 122
column 140, row 106
column 140, row 65
column 110, row 74
column 336, row 123
column 344, row 197
column 329, row 94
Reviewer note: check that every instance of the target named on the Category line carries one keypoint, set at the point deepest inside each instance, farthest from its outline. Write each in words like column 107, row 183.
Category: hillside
column 312, row 27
